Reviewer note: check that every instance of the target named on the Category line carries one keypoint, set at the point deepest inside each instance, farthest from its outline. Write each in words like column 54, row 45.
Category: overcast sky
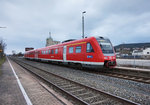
column 29, row 22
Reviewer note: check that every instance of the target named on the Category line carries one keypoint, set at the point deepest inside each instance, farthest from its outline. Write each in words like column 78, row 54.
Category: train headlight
column 105, row 57
column 114, row 57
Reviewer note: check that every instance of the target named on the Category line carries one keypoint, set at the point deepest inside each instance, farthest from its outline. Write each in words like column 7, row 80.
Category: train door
column 64, row 53
column 36, row 54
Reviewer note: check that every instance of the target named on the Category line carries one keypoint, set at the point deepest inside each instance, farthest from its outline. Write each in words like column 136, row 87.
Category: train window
column 49, row 51
column 70, row 49
column 56, row 51
column 46, row 52
column 89, row 47
column 78, row 49
column 52, row 51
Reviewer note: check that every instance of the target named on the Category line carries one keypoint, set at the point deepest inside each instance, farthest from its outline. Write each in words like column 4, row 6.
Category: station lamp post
column 83, row 23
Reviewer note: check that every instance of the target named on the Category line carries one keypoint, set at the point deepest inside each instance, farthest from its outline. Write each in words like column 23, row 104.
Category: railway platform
column 10, row 93
column 133, row 69
column 19, row 87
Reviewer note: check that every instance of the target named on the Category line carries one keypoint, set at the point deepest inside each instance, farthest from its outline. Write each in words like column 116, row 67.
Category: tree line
column 2, row 48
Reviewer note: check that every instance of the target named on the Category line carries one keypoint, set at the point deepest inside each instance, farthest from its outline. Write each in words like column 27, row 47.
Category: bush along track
column 1, row 62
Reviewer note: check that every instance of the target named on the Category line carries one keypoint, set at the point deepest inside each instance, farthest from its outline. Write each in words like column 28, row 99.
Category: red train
column 92, row 51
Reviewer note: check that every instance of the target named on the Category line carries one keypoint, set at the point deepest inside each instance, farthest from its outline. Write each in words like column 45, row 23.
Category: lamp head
column 84, row 12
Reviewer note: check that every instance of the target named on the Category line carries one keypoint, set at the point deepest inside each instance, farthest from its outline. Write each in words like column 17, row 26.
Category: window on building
column 89, row 48
column 70, row 49
column 78, row 49
column 56, row 51
column 52, row 52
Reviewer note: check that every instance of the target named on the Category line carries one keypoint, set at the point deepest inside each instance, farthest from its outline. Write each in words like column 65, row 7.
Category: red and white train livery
column 94, row 51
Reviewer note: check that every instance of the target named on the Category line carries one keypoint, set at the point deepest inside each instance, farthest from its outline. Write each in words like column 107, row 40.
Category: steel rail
column 141, row 79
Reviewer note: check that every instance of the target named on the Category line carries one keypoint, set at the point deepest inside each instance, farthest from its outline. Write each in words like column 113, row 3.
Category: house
column 143, row 53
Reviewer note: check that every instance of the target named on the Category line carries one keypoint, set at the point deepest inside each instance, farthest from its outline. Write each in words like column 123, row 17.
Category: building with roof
column 143, row 53
column 50, row 41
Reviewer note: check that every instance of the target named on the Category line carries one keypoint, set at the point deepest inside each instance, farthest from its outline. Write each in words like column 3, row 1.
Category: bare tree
column 2, row 47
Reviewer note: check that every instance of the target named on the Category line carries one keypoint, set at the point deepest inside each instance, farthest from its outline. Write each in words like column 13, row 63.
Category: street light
column 83, row 24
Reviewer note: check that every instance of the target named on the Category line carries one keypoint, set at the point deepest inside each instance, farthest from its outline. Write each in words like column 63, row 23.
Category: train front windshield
column 106, row 46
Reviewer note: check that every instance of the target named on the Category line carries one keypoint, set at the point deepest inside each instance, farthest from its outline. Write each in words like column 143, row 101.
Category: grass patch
column 1, row 62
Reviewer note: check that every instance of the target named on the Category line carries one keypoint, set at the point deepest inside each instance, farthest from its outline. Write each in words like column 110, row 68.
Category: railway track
column 118, row 73
column 83, row 95
column 127, row 76
column 123, row 74
column 137, row 76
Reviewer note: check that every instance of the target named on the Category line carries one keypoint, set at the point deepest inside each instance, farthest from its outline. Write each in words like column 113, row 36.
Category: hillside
column 133, row 45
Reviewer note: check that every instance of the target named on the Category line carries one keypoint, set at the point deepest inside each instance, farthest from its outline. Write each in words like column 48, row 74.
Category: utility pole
column 83, row 23
column 50, row 34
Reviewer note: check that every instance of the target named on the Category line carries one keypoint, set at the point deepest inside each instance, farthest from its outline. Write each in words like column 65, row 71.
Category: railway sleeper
column 148, row 81
column 106, row 101
column 57, row 80
column 60, row 82
column 70, row 86
column 84, row 95
column 94, row 99
column 62, row 85
column 90, row 97
column 77, row 92
column 74, row 89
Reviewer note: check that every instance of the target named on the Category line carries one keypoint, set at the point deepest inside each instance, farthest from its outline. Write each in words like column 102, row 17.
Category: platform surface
column 10, row 93
column 132, row 69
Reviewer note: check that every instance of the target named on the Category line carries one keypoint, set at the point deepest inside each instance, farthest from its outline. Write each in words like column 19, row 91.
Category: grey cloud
column 29, row 21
